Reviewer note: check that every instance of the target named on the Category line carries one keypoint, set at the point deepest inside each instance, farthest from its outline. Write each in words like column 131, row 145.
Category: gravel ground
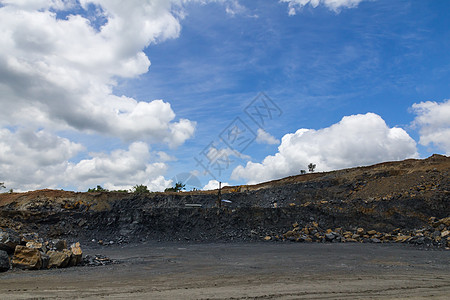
column 243, row 271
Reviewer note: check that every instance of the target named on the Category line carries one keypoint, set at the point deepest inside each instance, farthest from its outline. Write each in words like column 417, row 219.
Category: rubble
column 428, row 236
column 97, row 260
column 33, row 253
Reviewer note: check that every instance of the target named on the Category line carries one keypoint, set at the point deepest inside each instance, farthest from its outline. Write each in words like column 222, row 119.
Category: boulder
column 59, row 259
column 27, row 258
column 290, row 233
column 60, row 245
column 77, row 254
column 401, row 238
column 360, row 231
column 45, row 260
column 9, row 239
column 330, row 236
column 5, row 264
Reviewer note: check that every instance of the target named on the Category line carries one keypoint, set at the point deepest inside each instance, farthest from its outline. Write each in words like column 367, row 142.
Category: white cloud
column 233, row 7
column 355, row 140
column 334, row 5
column 213, row 185
column 32, row 160
column 59, row 73
column 121, row 169
column 433, row 118
column 264, row 137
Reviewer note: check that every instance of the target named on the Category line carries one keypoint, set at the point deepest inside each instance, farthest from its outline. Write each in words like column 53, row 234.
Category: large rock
column 77, row 254
column 27, row 258
column 59, row 259
column 9, row 239
column 330, row 236
column 45, row 260
column 60, row 245
column 5, row 264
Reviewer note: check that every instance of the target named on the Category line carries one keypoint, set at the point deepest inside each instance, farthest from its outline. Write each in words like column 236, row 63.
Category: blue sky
column 352, row 84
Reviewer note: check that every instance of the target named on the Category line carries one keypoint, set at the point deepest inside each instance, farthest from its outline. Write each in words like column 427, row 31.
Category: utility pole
column 219, row 195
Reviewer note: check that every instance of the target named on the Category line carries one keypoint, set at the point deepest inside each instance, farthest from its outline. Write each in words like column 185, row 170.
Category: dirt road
column 244, row 271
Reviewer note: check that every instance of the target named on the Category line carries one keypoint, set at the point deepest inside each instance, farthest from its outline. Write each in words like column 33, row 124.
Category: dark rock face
column 5, row 264
column 381, row 197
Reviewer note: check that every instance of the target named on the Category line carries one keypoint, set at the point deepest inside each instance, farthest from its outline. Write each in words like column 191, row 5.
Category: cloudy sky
column 119, row 93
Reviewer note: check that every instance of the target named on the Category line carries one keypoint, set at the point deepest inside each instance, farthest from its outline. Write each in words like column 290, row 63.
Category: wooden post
column 219, row 195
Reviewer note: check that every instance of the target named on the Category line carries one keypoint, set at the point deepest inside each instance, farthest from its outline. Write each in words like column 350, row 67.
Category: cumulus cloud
column 433, row 118
column 334, row 5
column 60, row 73
column 120, row 169
column 264, row 137
column 213, row 185
column 355, row 140
column 60, row 61
column 37, row 159
column 34, row 159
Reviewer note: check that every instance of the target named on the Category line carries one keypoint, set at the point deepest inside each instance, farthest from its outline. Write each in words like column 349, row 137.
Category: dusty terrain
column 244, row 271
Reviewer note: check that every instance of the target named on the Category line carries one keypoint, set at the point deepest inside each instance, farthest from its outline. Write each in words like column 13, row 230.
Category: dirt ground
column 243, row 271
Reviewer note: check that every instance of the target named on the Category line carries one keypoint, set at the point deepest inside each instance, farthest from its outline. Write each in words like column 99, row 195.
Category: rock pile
column 97, row 260
column 437, row 233
column 29, row 251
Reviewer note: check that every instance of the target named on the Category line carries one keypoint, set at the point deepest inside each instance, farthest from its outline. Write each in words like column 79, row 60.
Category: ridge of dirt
column 385, row 196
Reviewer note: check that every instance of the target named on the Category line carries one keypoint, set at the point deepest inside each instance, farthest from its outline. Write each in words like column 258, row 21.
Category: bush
column 177, row 188
column 140, row 189
column 97, row 189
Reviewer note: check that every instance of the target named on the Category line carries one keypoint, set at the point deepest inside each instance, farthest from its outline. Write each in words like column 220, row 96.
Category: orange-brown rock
column 77, row 254
column 27, row 258
column 59, row 259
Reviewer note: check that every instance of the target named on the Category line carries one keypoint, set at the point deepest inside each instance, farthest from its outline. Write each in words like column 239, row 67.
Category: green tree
column 311, row 167
column 177, row 188
column 2, row 185
column 140, row 189
column 97, row 189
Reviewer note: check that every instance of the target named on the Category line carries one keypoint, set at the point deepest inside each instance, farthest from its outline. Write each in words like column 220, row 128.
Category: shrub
column 140, row 189
column 177, row 188
column 97, row 189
